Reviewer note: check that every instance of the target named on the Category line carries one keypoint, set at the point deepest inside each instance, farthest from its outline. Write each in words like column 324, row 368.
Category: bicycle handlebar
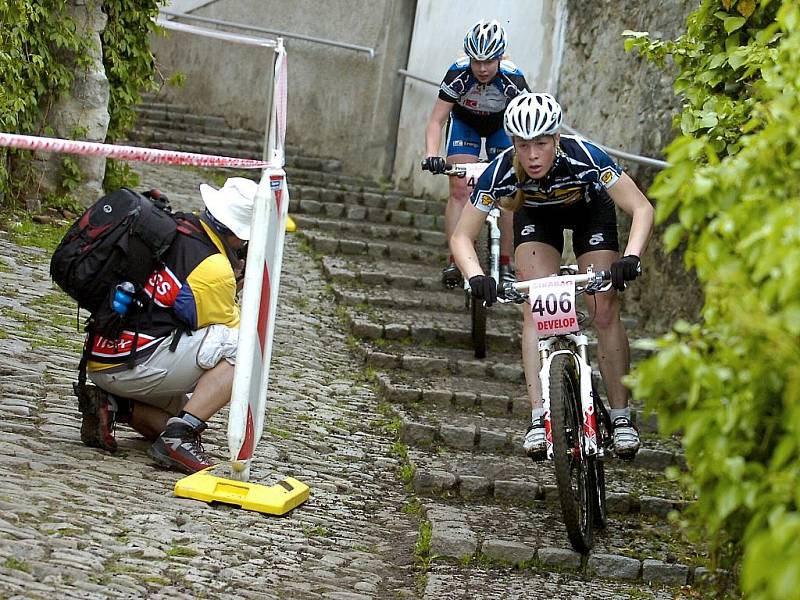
column 596, row 281
column 455, row 170
column 592, row 278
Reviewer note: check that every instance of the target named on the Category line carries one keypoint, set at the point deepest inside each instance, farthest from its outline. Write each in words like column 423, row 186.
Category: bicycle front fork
column 589, row 440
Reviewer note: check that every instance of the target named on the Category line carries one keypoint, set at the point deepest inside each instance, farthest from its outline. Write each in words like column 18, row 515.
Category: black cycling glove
column 483, row 288
column 625, row 269
column 434, row 164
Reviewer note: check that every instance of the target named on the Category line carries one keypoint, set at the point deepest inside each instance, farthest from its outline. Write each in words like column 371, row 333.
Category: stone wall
column 342, row 103
column 625, row 102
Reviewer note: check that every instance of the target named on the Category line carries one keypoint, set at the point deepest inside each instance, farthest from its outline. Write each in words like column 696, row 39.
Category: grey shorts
column 165, row 378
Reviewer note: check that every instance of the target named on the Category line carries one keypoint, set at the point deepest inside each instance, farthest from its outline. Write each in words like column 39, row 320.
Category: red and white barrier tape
column 132, row 153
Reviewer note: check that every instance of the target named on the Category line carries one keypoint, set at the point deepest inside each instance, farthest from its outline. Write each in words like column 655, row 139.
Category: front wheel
column 574, row 478
column 477, row 309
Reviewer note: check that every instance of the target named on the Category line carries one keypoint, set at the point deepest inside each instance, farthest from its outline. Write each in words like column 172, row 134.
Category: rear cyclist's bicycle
column 488, row 250
column 577, row 424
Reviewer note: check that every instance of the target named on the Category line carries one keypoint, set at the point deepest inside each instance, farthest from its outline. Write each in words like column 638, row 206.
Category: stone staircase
column 490, row 523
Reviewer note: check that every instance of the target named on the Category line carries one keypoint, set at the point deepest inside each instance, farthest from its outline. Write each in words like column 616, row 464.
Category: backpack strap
column 87, row 351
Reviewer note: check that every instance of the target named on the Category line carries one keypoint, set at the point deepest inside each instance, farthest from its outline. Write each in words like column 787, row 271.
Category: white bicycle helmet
column 530, row 115
column 485, row 41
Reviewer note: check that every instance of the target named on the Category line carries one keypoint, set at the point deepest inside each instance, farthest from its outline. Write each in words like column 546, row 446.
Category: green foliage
column 41, row 50
column 730, row 383
column 39, row 53
column 130, row 69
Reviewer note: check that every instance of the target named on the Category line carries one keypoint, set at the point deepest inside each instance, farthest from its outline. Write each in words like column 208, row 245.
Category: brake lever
column 510, row 294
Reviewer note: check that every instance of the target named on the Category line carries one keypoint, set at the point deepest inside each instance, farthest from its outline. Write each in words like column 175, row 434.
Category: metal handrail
column 215, row 33
column 642, row 160
column 296, row 36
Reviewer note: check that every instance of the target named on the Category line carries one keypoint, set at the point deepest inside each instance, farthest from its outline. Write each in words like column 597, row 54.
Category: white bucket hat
column 232, row 204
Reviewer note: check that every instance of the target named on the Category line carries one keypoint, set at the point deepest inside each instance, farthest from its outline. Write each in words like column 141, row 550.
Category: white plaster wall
column 534, row 29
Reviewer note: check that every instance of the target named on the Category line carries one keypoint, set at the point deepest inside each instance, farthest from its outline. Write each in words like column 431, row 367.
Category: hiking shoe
column 626, row 438
column 97, row 418
column 535, row 444
column 451, row 276
column 179, row 447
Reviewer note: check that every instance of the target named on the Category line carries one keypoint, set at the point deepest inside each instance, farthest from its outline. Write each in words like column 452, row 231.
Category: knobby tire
column 477, row 309
column 574, row 476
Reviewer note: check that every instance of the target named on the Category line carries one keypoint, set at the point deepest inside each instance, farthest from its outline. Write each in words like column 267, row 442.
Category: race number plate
column 474, row 171
column 553, row 306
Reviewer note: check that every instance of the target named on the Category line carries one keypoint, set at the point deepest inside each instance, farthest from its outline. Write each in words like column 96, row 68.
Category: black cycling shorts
column 593, row 225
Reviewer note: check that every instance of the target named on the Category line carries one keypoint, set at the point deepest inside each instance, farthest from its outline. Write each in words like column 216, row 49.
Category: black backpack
column 121, row 237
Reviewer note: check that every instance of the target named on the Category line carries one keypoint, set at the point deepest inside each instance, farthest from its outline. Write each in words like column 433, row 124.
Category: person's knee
column 459, row 192
column 606, row 312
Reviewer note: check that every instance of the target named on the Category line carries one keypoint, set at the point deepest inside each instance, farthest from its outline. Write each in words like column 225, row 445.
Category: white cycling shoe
column 535, row 444
column 626, row 438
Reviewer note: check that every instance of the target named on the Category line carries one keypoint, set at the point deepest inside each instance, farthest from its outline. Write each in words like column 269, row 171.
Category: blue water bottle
column 123, row 296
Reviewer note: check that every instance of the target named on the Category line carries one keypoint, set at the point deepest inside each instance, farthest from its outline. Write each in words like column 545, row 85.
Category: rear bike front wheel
column 574, row 477
column 477, row 309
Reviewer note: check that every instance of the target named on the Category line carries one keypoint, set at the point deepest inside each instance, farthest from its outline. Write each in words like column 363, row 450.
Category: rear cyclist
column 554, row 182
column 472, row 97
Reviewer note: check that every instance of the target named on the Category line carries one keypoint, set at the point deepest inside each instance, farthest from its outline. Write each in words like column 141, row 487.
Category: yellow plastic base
column 291, row 226
column 277, row 499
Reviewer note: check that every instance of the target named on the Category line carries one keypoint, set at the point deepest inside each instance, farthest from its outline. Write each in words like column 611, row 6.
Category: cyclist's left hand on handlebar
column 434, row 164
column 483, row 288
column 625, row 269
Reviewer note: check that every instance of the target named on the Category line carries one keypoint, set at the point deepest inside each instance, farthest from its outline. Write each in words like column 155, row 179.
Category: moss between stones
column 16, row 564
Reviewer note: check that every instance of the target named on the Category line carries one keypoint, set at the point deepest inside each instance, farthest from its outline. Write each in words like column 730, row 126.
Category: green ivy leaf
column 731, row 24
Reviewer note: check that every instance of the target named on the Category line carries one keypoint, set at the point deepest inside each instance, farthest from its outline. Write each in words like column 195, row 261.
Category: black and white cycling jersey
column 581, row 172
column 481, row 105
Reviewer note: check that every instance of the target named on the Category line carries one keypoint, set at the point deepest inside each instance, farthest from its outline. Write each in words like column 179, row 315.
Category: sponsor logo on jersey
column 597, row 238
column 607, row 176
column 165, row 285
column 567, row 195
column 106, row 348
column 527, row 230
column 487, row 200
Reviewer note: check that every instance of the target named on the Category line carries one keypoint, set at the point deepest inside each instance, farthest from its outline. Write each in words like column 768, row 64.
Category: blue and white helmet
column 531, row 115
column 485, row 41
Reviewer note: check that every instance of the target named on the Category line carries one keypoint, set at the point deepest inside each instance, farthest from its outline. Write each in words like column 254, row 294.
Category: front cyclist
column 554, row 182
column 472, row 97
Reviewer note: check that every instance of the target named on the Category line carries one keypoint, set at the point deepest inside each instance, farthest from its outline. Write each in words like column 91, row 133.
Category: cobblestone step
column 386, row 200
column 432, row 426
column 448, row 330
column 370, row 272
column 345, row 204
column 550, row 581
column 414, row 384
column 328, row 243
column 516, row 479
column 634, row 547
column 345, row 228
column 442, row 329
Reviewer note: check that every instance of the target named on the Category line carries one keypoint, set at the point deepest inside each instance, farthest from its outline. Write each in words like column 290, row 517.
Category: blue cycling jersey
column 581, row 172
column 481, row 105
